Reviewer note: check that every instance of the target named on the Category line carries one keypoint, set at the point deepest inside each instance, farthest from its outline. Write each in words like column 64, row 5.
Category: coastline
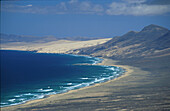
column 105, row 61
column 139, row 88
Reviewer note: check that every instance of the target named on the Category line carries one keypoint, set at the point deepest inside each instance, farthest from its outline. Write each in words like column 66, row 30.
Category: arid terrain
column 60, row 46
column 145, row 85
column 151, row 41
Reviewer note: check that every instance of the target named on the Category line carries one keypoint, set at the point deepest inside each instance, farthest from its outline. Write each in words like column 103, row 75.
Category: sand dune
column 61, row 46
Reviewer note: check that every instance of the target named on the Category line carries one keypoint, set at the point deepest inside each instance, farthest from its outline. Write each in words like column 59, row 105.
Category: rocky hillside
column 151, row 41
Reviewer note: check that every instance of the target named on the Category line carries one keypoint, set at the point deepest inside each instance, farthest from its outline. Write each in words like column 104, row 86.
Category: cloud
column 70, row 7
column 29, row 5
column 123, row 7
column 137, row 9
column 89, row 8
column 134, row 1
column 73, row 1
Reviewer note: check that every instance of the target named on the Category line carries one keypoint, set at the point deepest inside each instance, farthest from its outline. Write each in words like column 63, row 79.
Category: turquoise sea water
column 28, row 75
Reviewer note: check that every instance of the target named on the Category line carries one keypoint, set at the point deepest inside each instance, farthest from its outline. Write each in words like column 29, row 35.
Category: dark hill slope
column 152, row 40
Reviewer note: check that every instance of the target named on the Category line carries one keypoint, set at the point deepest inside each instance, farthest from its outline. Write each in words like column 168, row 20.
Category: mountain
column 152, row 40
column 9, row 38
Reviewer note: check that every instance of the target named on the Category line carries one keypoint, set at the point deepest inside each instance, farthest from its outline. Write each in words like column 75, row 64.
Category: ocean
column 27, row 75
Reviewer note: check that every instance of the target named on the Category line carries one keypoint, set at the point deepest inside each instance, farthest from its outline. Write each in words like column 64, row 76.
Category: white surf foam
column 69, row 83
column 17, row 96
column 4, row 103
column 44, row 90
column 50, row 93
column 28, row 94
column 99, row 80
column 21, row 99
column 77, row 86
column 111, row 68
column 21, row 95
column 84, row 78
column 39, row 96
column 11, row 100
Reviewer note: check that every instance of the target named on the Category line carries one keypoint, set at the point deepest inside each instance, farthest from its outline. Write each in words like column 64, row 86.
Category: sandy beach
column 144, row 87
column 85, row 92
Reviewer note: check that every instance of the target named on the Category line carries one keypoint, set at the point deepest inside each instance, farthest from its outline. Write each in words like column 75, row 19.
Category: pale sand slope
column 61, row 46
column 98, row 97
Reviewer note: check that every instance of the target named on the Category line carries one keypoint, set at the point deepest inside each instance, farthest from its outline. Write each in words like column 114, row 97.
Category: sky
column 81, row 18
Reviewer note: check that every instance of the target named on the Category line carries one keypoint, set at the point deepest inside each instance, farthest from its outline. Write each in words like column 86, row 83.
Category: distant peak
column 130, row 33
column 152, row 27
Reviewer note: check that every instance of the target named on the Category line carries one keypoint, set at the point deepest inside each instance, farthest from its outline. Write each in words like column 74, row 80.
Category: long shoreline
column 104, row 62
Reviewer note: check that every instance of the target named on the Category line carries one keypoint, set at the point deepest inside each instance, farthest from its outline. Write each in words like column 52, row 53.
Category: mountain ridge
column 152, row 40
column 11, row 38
